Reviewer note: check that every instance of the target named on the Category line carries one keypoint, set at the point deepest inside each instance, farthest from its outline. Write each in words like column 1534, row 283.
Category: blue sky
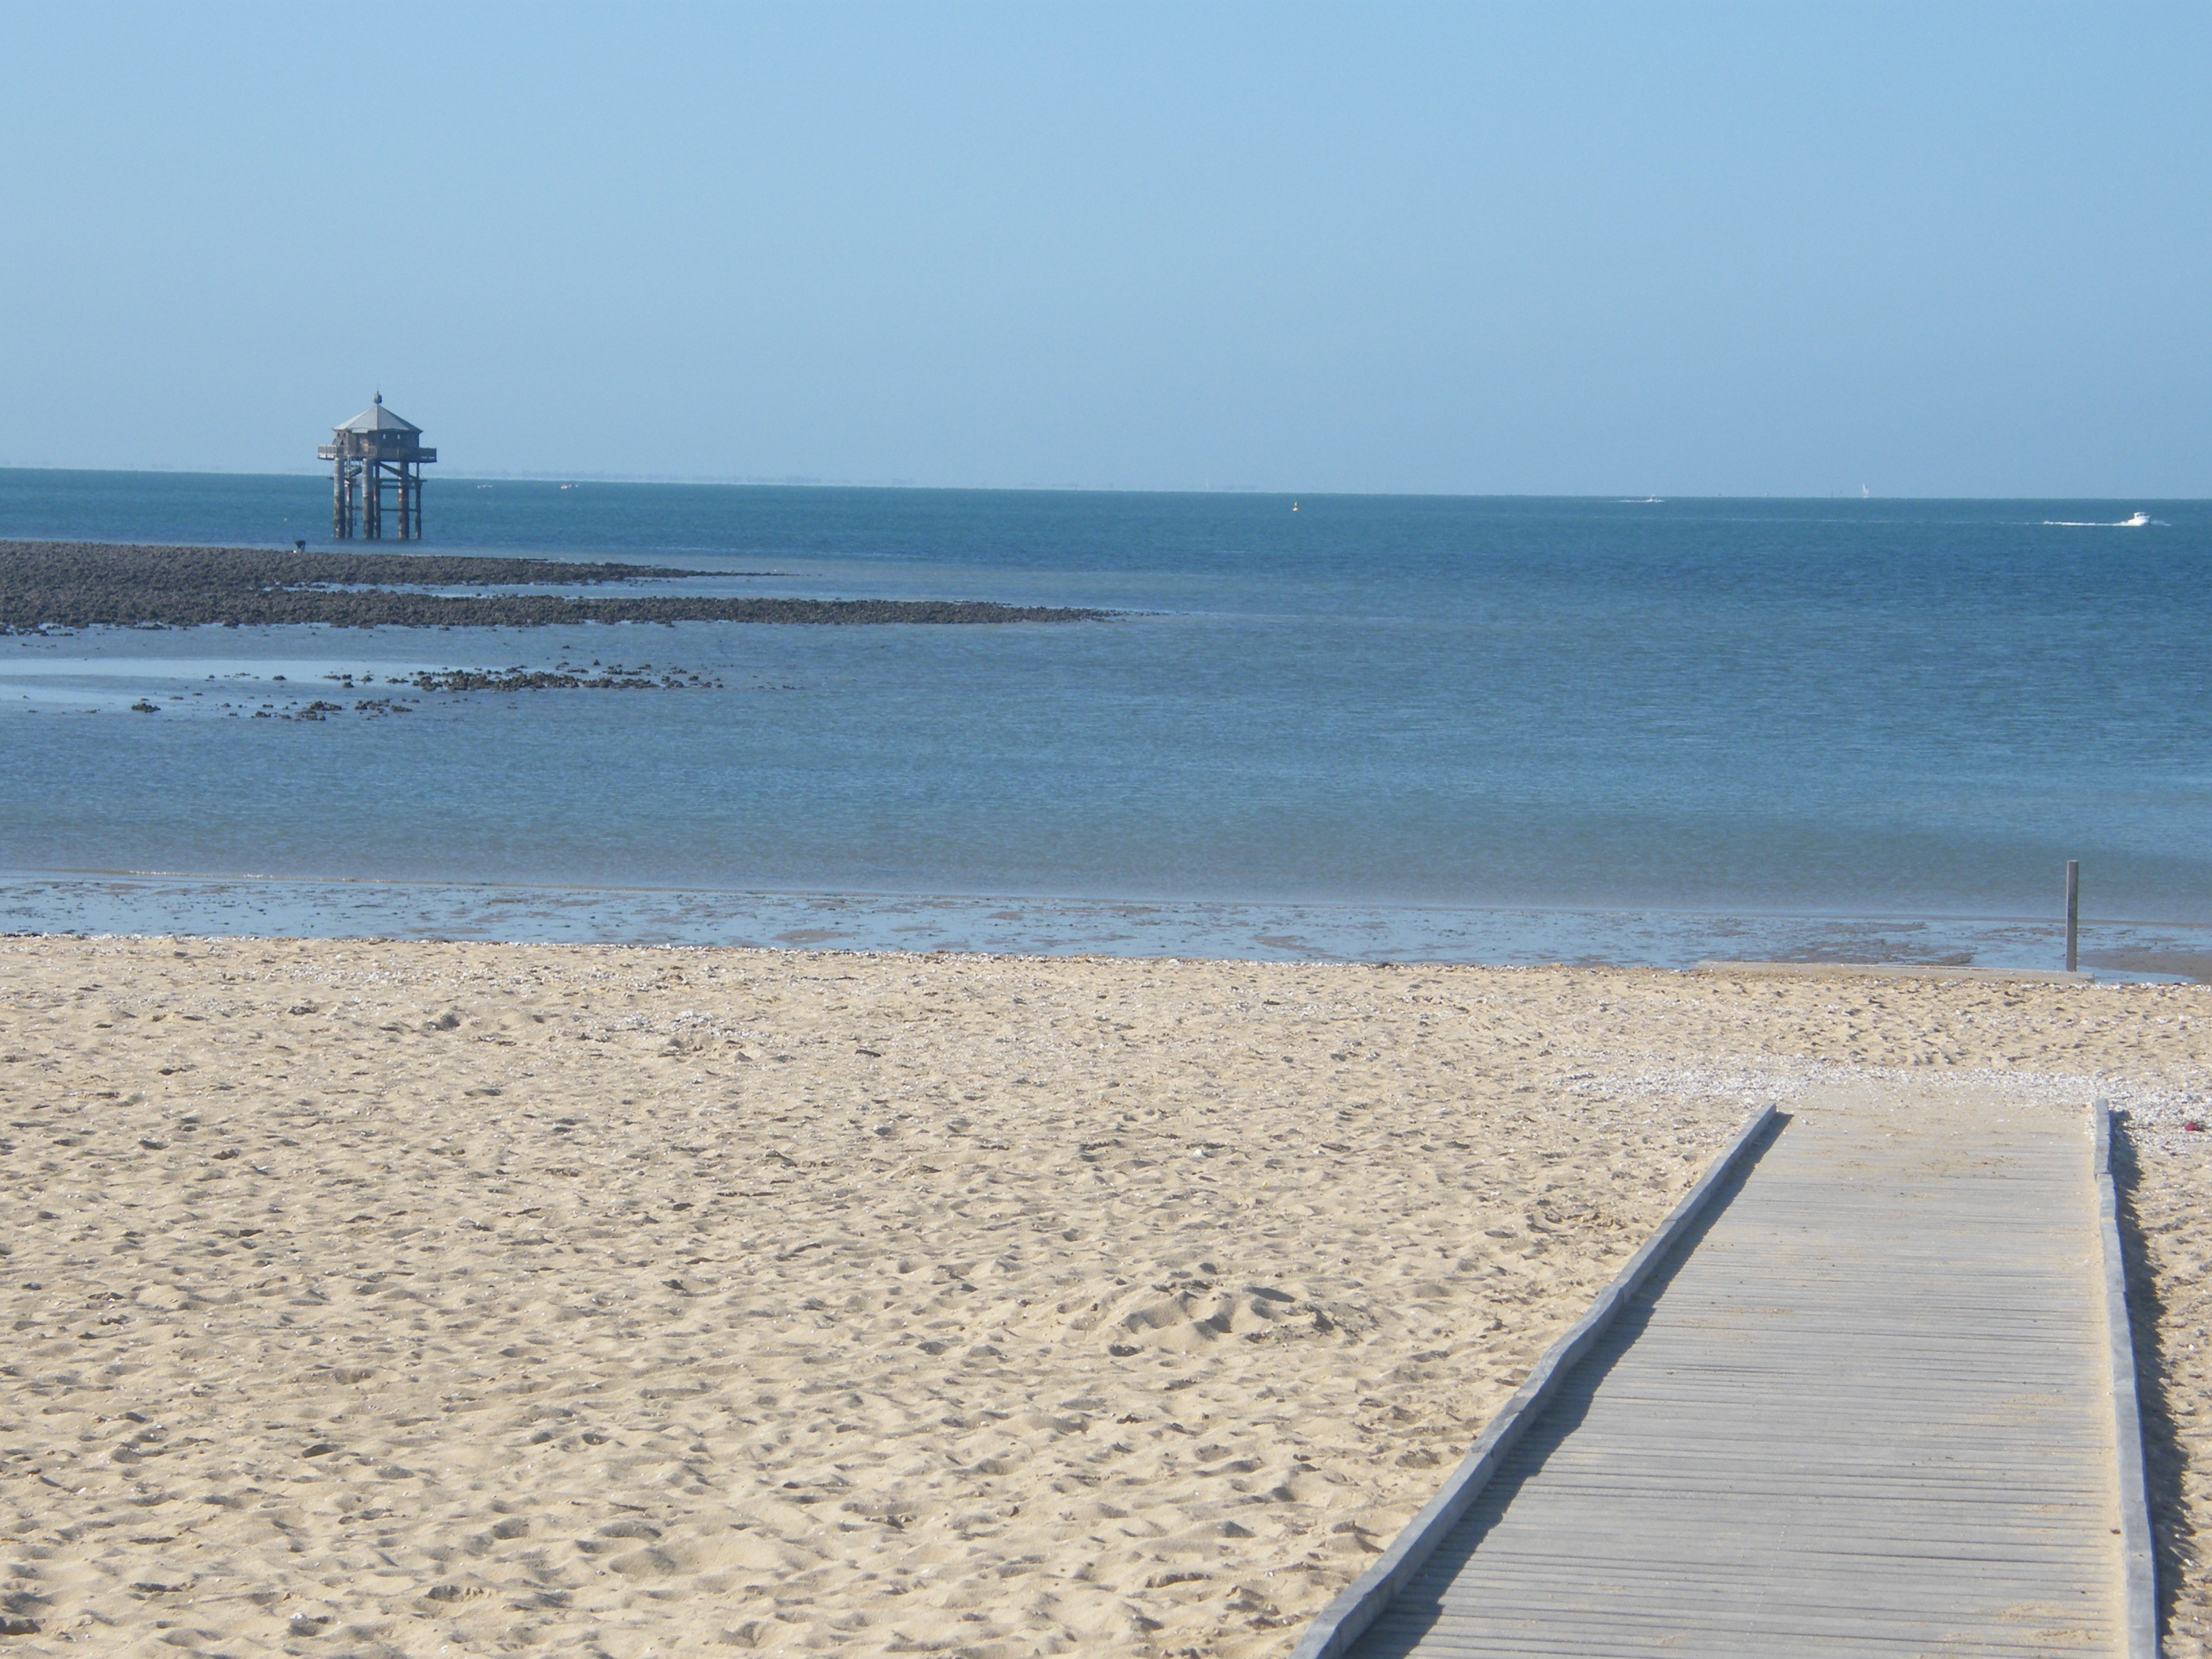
column 1681, row 249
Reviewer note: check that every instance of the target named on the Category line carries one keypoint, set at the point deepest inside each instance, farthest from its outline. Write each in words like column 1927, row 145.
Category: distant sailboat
column 1865, row 493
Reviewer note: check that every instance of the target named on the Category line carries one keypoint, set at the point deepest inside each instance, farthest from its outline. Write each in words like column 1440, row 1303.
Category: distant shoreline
column 102, row 584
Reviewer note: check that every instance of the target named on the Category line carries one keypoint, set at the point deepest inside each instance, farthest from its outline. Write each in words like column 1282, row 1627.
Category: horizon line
column 801, row 482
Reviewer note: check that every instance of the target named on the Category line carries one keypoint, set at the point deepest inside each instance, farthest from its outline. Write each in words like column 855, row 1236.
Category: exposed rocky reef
column 93, row 584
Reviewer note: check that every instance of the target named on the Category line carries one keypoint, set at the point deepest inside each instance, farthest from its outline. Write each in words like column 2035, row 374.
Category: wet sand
column 402, row 1299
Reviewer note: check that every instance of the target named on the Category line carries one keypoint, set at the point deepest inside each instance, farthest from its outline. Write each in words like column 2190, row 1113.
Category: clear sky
column 1950, row 249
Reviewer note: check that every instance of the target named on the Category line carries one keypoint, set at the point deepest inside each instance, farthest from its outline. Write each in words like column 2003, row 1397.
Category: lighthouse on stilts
column 377, row 460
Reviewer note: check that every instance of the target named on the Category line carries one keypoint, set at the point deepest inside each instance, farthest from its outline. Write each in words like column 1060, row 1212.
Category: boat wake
column 2135, row 522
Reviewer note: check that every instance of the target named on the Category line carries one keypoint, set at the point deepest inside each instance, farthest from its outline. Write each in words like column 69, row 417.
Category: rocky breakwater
column 88, row 584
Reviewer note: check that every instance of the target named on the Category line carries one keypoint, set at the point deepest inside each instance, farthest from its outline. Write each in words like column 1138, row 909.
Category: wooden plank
column 2141, row 1586
column 1339, row 1624
column 1872, row 1403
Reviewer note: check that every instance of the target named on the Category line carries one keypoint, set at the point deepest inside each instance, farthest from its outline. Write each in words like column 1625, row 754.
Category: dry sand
column 373, row 1298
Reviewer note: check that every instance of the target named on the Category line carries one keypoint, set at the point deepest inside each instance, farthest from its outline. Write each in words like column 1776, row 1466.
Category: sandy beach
column 407, row 1299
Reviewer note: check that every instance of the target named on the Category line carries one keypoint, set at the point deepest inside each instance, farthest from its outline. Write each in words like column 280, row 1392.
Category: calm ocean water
column 1647, row 731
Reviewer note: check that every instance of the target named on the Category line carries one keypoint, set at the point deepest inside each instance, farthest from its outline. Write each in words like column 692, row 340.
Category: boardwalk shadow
column 1412, row 1612
column 2165, row 1458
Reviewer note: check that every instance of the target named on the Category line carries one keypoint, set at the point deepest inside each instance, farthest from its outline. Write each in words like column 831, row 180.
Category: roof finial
column 380, row 396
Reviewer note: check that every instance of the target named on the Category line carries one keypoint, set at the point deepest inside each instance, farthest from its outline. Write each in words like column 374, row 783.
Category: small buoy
column 1294, row 506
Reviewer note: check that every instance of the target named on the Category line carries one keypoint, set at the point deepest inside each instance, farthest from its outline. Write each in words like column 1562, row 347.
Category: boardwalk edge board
column 1343, row 1620
column 2139, row 1565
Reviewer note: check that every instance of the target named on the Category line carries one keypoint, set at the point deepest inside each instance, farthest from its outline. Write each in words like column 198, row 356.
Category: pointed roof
column 377, row 418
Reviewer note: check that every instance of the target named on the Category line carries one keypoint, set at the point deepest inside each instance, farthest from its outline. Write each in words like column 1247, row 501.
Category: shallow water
column 1840, row 710
column 32, row 902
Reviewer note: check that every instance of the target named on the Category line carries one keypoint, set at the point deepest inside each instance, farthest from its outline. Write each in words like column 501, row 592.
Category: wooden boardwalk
column 1864, row 1407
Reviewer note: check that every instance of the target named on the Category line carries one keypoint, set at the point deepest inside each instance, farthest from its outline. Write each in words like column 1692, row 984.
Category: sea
column 1497, row 730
